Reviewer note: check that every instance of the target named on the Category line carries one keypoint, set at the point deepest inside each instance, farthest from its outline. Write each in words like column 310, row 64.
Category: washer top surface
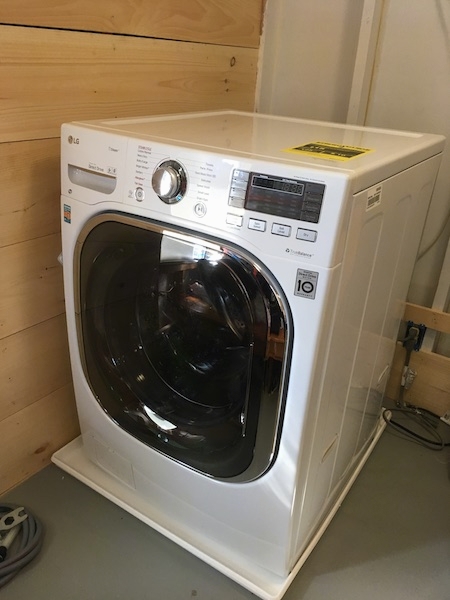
column 351, row 150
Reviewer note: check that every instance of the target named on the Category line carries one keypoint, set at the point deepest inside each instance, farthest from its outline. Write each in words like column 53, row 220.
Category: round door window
column 184, row 344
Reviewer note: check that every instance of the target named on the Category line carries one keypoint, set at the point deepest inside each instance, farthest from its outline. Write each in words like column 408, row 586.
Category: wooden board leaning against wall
column 51, row 76
column 431, row 386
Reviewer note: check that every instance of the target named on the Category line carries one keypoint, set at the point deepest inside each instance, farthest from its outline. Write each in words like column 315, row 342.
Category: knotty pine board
column 34, row 363
column 50, row 77
column 30, row 436
column 31, row 289
column 227, row 22
column 30, row 190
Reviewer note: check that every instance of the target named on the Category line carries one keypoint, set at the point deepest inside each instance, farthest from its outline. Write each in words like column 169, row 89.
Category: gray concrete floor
column 390, row 540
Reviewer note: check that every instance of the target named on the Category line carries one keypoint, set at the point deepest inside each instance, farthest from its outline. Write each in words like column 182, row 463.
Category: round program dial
column 169, row 181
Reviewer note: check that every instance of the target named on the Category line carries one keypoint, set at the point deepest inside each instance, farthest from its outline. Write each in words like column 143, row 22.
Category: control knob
column 169, row 181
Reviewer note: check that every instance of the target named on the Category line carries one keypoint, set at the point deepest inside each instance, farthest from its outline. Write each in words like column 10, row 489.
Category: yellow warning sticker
column 329, row 151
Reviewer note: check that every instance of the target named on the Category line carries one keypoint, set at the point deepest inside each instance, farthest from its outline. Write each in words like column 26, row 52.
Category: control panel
column 275, row 207
column 280, row 198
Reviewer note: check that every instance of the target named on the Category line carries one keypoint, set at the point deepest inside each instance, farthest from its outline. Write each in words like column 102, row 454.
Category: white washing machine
column 234, row 284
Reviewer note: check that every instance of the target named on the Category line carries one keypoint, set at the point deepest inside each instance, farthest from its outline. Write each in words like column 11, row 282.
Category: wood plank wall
column 60, row 61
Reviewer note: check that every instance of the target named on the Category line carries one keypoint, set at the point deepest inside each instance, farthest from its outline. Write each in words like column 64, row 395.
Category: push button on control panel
column 257, row 224
column 238, row 188
column 279, row 229
column 139, row 194
column 235, row 220
column 200, row 209
column 307, row 235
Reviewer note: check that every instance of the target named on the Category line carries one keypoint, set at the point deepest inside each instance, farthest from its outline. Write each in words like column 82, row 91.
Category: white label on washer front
column 306, row 283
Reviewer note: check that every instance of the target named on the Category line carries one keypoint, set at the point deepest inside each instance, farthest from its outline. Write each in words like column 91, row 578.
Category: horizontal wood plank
column 431, row 387
column 30, row 185
column 434, row 319
column 32, row 435
column 50, row 77
column 34, row 363
column 31, row 289
column 228, row 22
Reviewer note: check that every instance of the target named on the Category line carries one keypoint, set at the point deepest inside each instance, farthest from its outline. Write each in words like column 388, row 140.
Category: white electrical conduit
column 364, row 61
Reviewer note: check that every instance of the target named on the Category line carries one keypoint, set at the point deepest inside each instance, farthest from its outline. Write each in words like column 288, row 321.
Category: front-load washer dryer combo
column 234, row 285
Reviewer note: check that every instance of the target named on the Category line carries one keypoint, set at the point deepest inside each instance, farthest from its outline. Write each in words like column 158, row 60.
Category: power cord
column 421, row 417
column 20, row 542
column 424, row 419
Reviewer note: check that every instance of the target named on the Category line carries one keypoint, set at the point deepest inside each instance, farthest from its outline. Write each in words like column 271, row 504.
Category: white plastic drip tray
column 72, row 459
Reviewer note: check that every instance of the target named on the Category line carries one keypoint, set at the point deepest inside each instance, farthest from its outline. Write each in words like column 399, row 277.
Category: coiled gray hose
column 26, row 546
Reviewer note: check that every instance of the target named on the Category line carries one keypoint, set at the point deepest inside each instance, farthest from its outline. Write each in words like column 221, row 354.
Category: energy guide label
column 329, row 150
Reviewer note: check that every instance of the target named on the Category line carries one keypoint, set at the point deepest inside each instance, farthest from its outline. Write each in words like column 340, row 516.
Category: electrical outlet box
column 422, row 330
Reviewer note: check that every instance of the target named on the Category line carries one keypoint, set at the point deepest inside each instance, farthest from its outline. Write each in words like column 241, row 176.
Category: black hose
column 25, row 547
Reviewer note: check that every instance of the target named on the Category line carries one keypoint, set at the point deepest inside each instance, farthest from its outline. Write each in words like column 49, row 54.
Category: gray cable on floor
column 25, row 548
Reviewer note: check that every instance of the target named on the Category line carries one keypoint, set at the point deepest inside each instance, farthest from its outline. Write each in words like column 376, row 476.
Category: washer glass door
column 183, row 342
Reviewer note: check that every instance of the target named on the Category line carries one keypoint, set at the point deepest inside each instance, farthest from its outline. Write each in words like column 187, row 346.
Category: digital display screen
column 284, row 197
column 283, row 185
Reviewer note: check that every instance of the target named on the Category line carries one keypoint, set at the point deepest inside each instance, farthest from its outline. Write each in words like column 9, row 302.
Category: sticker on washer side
column 329, row 151
column 67, row 213
column 306, row 283
column 374, row 196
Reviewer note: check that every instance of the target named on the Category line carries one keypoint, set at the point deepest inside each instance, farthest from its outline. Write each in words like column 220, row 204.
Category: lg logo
column 73, row 140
